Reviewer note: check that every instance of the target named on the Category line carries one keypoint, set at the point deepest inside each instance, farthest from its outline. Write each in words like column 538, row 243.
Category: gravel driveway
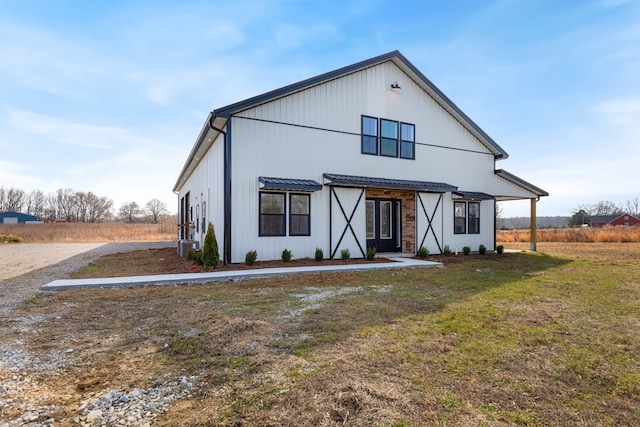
column 24, row 268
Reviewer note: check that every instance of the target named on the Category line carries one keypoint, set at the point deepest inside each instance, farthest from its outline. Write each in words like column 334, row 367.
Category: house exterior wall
column 206, row 189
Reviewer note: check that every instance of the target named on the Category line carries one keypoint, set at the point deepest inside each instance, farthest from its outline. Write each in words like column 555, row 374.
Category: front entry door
column 383, row 225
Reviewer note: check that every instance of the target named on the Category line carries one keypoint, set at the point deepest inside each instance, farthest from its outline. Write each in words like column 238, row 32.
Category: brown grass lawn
column 535, row 339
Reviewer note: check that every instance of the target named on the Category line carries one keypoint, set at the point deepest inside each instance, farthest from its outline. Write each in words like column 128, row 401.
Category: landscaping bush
column 210, row 254
column 466, row 250
column 195, row 256
column 319, row 255
column 482, row 250
column 286, row 255
column 446, row 251
column 371, row 253
column 345, row 254
column 423, row 252
column 500, row 249
column 250, row 257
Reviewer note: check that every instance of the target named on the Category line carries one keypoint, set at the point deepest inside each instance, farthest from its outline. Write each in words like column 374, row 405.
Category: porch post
column 533, row 224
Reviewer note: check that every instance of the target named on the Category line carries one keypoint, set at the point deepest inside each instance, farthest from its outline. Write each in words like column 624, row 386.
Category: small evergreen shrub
column 466, row 250
column 250, row 257
column 319, row 255
column 500, row 249
column 286, row 255
column 482, row 250
column 194, row 256
column 371, row 253
column 345, row 254
column 210, row 254
column 423, row 252
column 446, row 251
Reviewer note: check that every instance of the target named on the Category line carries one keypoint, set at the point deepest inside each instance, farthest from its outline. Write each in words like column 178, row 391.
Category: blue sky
column 109, row 96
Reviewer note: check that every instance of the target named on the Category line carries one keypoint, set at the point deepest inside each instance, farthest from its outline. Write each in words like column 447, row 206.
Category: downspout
column 226, row 246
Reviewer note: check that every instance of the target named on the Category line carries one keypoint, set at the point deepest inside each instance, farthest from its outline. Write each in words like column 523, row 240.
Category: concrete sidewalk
column 222, row 276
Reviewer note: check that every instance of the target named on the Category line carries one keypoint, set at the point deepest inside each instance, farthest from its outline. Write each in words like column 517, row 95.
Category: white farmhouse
column 372, row 154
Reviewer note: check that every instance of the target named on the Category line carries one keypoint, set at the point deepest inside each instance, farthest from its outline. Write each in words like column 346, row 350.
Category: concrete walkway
column 222, row 276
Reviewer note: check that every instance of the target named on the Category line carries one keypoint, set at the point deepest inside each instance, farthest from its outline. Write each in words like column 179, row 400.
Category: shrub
column 195, row 256
column 466, row 250
column 500, row 249
column 250, row 257
column 345, row 254
column 286, row 255
column 423, row 252
column 210, row 254
column 446, row 251
column 319, row 255
column 11, row 239
column 371, row 253
column 482, row 250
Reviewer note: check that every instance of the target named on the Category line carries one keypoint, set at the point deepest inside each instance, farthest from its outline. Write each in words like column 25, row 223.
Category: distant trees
column 583, row 213
column 78, row 206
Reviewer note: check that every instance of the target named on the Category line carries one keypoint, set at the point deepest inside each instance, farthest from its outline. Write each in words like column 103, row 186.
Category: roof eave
column 521, row 182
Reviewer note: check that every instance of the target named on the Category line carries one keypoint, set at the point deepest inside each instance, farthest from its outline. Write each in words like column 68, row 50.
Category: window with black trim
column 459, row 217
column 299, row 215
column 407, row 141
column 369, row 135
column 389, row 138
column 272, row 214
column 474, row 217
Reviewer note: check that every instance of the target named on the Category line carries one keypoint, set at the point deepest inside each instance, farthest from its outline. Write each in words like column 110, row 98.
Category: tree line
column 78, row 206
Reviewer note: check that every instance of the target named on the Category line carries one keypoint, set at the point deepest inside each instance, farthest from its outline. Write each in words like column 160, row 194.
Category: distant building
column 613, row 220
column 16, row 218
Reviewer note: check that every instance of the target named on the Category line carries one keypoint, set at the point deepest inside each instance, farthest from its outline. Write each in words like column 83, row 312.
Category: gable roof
column 217, row 119
column 521, row 182
column 609, row 218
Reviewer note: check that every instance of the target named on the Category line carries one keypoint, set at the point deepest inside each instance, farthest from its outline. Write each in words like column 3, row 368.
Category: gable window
column 389, row 138
column 407, row 141
column 369, row 135
column 459, row 217
column 272, row 214
column 474, row 217
column 299, row 215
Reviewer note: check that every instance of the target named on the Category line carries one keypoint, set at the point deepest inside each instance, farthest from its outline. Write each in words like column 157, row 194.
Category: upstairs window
column 389, row 138
column 407, row 141
column 369, row 135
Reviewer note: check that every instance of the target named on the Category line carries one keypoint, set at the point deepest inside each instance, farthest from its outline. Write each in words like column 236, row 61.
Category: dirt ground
column 80, row 344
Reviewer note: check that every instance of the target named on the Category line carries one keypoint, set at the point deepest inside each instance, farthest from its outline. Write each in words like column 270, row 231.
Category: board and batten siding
column 206, row 184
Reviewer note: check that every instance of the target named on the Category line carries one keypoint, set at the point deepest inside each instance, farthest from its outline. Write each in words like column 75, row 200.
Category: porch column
column 533, row 224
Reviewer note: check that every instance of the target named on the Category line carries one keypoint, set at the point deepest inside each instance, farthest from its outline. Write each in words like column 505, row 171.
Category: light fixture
column 395, row 86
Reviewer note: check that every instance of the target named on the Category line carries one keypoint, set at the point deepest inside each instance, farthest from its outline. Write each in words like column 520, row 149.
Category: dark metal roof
column 288, row 184
column 397, row 184
column 473, row 195
column 521, row 182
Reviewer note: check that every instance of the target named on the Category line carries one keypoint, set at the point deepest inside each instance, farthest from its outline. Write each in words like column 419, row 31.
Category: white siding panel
column 352, row 201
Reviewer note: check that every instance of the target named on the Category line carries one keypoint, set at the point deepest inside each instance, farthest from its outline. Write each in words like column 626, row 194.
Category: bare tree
column 35, row 204
column 155, row 209
column 65, row 203
column 633, row 207
column 14, row 200
column 605, row 207
column 98, row 208
column 130, row 212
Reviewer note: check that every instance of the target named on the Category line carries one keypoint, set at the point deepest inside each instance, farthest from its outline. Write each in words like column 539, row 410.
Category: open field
column 570, row 235
column 536, row 339
column 91, row 232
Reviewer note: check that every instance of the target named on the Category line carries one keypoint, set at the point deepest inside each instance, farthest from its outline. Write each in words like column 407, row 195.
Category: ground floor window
column 272, row 214
column 300, row 215
column 466, row 217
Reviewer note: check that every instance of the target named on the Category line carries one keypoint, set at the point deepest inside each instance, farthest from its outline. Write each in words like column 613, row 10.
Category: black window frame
column 463, row 221
column 365, row 136
column 293, row 215
column 470, row 220
column 261, row 232
column 405, row 142
column 383, row 139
